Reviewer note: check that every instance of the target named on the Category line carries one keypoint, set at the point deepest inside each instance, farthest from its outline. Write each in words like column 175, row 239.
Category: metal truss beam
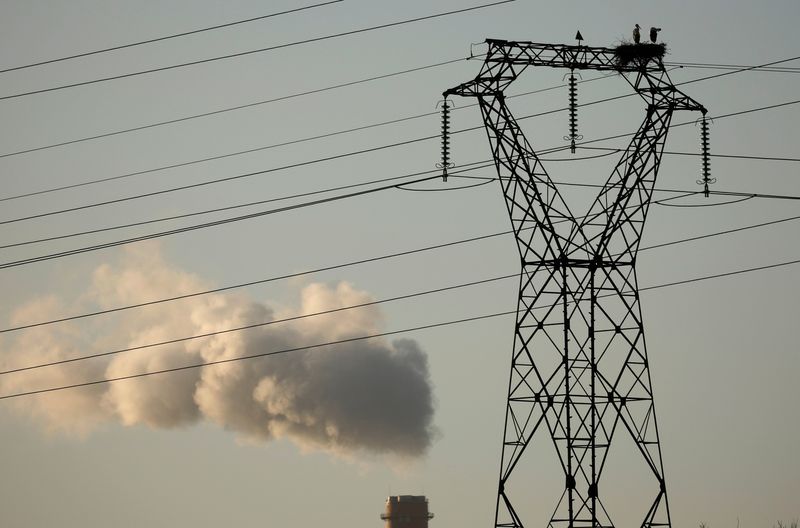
column 579, row 367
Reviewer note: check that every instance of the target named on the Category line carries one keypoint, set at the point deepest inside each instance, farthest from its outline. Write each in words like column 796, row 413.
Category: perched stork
column 636, row 35
column 654, row 34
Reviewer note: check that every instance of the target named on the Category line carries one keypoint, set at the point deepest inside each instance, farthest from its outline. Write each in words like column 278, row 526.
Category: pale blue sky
column 724, row 359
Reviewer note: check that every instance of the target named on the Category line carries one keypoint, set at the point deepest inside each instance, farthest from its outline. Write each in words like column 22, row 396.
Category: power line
column 747, row 195
column 241, row 176
column 740, row 70
column 160, row 234
column 749, row 111
column 295, row 95
column 256, row 282
column 232, row 108
column 706, row 204
column 202, row 160
column 459, row 174
column 732, row 156
column 167, row 37
column 735, row 156
column 756, row 195
column 280, row 144
column 720, row 275
column 365, row 261
column 359, row 152
column 215, row 181
column 720, row 233
column 251, row 52
column 194, row 227
column 92, row 182
column 262, row 213
column 712, row 66
column 627, row 134
column 369, row 126
column 545, row 151
column 254, row 356
column 698, row 79
column 259, row 325
column 476, row 165
column 353, row 339
column 259, row 281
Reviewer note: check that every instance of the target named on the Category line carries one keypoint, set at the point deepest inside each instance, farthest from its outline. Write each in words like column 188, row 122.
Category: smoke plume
column 369, row 396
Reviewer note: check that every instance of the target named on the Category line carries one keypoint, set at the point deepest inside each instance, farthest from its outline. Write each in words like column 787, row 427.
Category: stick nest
column 628, row 54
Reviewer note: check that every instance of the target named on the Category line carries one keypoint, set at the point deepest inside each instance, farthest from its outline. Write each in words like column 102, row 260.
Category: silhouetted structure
column 654, row 34
column 407, row 511
column 579, row 366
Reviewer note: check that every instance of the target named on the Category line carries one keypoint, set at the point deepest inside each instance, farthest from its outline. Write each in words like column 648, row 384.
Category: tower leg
column 579, row 366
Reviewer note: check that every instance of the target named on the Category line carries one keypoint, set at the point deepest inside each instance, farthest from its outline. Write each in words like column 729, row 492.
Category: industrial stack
column 407, row 511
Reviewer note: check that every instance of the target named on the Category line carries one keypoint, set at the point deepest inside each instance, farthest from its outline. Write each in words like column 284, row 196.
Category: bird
column 654, row 34
column 636, row 35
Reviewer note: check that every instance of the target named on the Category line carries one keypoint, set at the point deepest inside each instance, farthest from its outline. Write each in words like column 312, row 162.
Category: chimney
column 407, row 511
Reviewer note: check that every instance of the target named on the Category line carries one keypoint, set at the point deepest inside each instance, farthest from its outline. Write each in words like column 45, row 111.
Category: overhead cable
column 367, row 261
column 251, row 52
column 402, row 186
column 393, row 121
column 373, row 149
column 674, row 153
column 353, row 339
column 310, row 92
column 713, row 66
column 259, row 325
column 471, row 166
column 267, row 147
column 354, row 153
column 254, row 356
column 231, row 108
column 160, row 234
column 166, row 37
column 214, row 223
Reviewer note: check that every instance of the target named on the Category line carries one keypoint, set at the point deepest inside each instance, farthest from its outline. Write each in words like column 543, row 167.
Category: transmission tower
column 579, row 366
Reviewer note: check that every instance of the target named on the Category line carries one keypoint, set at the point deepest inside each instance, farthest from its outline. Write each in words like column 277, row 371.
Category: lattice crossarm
column 497, row 72
column 564, row 56
column 658, row 90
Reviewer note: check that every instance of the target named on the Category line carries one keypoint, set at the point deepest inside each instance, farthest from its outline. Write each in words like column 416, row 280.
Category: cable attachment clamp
column 445, row 163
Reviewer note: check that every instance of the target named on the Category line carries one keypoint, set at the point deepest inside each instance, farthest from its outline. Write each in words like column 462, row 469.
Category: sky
column 321, row 436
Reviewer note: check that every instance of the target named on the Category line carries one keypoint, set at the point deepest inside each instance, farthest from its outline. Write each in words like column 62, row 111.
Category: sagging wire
column 610, row 152
column 731, row 202
column 471, row 186
column 445, row 163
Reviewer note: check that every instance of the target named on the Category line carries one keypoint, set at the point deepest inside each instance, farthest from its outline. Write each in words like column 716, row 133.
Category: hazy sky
column 321, row 437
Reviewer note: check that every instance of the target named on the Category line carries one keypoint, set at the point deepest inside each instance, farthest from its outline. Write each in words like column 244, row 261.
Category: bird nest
column 628, row 54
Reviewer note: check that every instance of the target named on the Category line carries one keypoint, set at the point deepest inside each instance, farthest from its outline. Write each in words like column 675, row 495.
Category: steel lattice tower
column 579, row 366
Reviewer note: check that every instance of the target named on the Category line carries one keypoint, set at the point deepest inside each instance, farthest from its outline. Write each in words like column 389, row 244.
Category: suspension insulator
column 705, row 152
column 445, row 163
column 573, row 112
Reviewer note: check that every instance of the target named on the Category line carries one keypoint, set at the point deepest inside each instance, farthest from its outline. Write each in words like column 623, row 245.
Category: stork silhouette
column 654, row 34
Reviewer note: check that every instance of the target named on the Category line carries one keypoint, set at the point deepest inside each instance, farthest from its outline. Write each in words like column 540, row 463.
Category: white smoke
column 364, row 396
